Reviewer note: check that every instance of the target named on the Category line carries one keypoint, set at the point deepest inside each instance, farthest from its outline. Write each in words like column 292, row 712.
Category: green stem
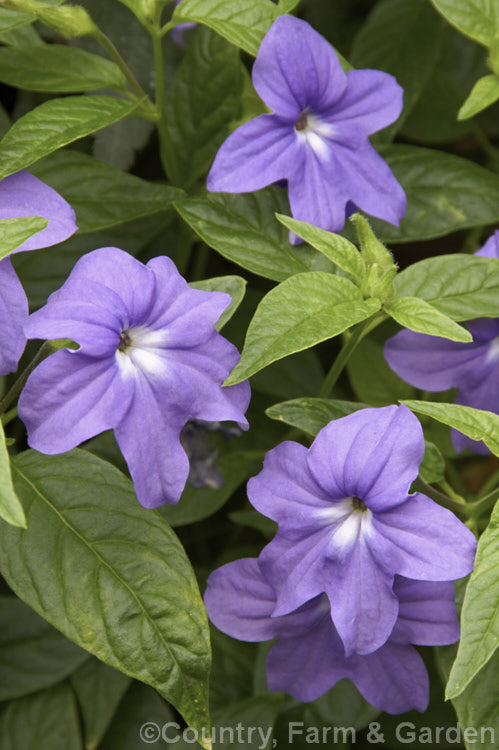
column 345, row 352
column 108, row 45
column 490, row 484
column 9, row 416
column 157, row 45
column 483, row 505
column 460, row 509
column 16, row 389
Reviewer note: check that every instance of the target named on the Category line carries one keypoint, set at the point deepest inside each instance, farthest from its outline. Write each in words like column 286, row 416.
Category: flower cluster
column 22, row 195
column 436, row 364
column 317, row 137
column 359, row 568
column 149, row 360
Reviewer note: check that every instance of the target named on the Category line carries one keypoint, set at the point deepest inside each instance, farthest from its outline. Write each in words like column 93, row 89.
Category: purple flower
column 347, row 525
column 308, row 657
column 318, row 135
column 21, row 195
column 436, row 364
column 149, row 360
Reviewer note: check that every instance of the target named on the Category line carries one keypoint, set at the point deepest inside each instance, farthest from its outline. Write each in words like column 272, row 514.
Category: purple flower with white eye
column 436, row 364
column 347, row 525
column 308, row 657
column 317, row 137
column 21, row 195
column 149, row 360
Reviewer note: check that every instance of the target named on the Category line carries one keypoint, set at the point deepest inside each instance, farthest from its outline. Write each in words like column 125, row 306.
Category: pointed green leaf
column 222, row 220
column 401, row 37
column 420, row 316
column 243, row 22
column 33, row 654
column 335, row 247
column 312, row 414
column 475, row 423
column 15, row 232
column 480, row 613
column 478, row 19
column 14, row 19
column 56, row 123
column 235, row 286
column 109, row 574
column 432, row 468
column 101, row 195
column 204, row 98
column 47, row 719
column 11, row 509
column 99, row 690
column 484, row 93
column 461, row 286
column 444, row 192
column 299, row 313
column 56, row 67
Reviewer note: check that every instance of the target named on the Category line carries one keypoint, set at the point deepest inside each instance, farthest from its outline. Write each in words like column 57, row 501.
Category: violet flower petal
column 22, row 194
column 258, row 153
column 296, row 67
column 13, row 313
column 71, row 397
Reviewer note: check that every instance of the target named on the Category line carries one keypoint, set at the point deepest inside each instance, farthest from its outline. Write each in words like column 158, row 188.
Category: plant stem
column 157, row 45
column 108, row 45
column 460, row 509
column 9, row 416
column 16, row 389
column 342, row 358
column 481, row 506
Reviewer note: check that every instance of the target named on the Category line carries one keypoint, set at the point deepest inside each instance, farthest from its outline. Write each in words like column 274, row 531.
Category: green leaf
column 109, row 574
column 199, row 503
column 312, row 414
column 56, row 123
column 10, row 508
column 370, row 376
column 476, row 708
column 286, row 6
column 445, row 193
column 33, row 655
column 299, row 313
column 480, row 613
column 401, row 37
column 478, row 19
column 381, row 269
column 243, row 22
column 460, row 286
column 200, row 104
column 46, row 719
column 222, row 219
column 335, row 247
column 432, row 468
column 475, row 423
column 235, row 286
column 99, row 690
column 57, row 67
column 13, row 19
column 140, row 707
column 5, row 121
column 484, row 93
column 342, row 706
column 15, row 232
column 420, row 316
column 299, row 375
column 102, row 196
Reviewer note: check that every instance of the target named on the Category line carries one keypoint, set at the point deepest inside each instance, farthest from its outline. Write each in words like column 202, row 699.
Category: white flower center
column 142, row 348
column 315, row 133
column 349, row 519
